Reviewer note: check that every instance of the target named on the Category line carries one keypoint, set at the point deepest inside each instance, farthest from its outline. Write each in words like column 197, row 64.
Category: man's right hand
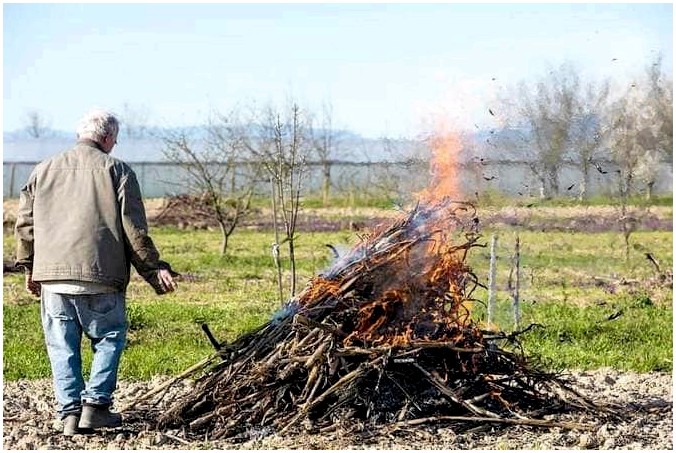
column 33, row 287
column 166, row 280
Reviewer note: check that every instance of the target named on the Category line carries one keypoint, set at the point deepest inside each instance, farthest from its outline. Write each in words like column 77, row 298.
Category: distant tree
column 214, row 172
column 134, row 121
column 36, row 124
column 639, row 135
column 398, row 173
column 658, row 140
column 325, row 140
column 661, row 98
column 588, row 129
column 641, row 130
column 543, row 113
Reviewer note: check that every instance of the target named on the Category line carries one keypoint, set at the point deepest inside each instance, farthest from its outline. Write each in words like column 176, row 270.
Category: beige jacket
column 81, row 217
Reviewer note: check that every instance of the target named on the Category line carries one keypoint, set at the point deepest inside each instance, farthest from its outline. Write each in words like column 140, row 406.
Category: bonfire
column 384, row 336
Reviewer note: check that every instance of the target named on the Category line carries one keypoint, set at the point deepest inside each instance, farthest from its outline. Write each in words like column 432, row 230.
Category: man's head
column 100, row 126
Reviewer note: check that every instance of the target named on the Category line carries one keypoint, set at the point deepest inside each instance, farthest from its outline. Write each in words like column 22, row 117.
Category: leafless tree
column 134, row 121
column 325, row 142
column 658, row 139
column 215, row 172
column 282, row 142
column 398, row 173
column 641, row 133
column 543, row 114
column 630, row 137
column 588, row 129
column 36, row 124
column 661, row 97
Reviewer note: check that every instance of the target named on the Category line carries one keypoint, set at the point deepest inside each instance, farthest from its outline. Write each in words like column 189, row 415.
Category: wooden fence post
column 517, row 281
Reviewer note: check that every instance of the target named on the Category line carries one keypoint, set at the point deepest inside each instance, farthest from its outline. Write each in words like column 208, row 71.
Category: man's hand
column 33, row 287
column 166, row 280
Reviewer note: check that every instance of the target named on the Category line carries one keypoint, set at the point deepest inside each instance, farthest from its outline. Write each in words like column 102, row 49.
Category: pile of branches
column 383, row 336
column 186, row 211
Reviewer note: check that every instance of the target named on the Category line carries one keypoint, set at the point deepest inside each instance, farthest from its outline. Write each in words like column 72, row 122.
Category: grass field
column 594, row 307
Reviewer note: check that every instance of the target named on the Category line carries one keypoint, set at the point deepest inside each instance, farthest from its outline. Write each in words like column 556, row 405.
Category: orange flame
column 444, row 166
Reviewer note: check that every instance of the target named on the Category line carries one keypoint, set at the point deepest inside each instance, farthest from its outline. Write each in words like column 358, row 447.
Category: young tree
column 216, row 172
column 282, row 143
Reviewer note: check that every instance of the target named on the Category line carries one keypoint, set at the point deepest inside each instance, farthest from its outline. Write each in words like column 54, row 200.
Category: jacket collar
column 90, row 142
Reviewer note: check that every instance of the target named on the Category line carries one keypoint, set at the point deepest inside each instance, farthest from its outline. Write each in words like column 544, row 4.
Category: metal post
column 11, row 180
column 492, row 281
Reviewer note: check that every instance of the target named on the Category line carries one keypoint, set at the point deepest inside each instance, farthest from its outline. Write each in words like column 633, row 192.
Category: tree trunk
column 649, row 190
column 584, row 184
column 224, row 238
column 326, row 184
column 293, row 266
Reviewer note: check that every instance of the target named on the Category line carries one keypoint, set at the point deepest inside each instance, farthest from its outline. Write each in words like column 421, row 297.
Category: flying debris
column 652, row 259
column 615, row 315
column 600, row 169
column 333, row 250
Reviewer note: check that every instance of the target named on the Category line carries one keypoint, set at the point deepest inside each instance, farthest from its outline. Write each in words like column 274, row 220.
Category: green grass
column 639, row 338
column 497, row 199
column 236, row 293
column 489, row 198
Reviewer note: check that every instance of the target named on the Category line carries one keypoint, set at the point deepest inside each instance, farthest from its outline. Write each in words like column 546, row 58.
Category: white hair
column 97, row 124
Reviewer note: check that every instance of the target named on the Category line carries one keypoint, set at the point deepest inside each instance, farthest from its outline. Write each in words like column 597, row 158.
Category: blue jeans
column 102, row 319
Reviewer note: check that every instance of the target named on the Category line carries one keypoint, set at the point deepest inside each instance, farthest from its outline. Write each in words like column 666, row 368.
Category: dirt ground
column 191, row 214
column 645, row 401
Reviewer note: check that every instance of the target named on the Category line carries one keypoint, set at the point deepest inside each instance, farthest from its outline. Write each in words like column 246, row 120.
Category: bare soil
column 646, row 401
column 191, row 214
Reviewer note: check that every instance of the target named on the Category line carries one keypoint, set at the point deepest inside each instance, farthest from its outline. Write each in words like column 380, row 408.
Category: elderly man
column 81, row 224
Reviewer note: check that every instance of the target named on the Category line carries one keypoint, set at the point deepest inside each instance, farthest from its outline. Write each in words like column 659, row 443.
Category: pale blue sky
column 386, row 69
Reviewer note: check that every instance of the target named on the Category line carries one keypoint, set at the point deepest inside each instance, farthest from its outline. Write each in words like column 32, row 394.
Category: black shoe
column 99, row 417
column 70, row 425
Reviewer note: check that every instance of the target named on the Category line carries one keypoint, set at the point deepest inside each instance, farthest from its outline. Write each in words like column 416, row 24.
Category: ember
column 383, row 336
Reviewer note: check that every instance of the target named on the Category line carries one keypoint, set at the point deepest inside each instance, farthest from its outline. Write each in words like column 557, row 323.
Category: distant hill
column 19, row 146
column 501, row 145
